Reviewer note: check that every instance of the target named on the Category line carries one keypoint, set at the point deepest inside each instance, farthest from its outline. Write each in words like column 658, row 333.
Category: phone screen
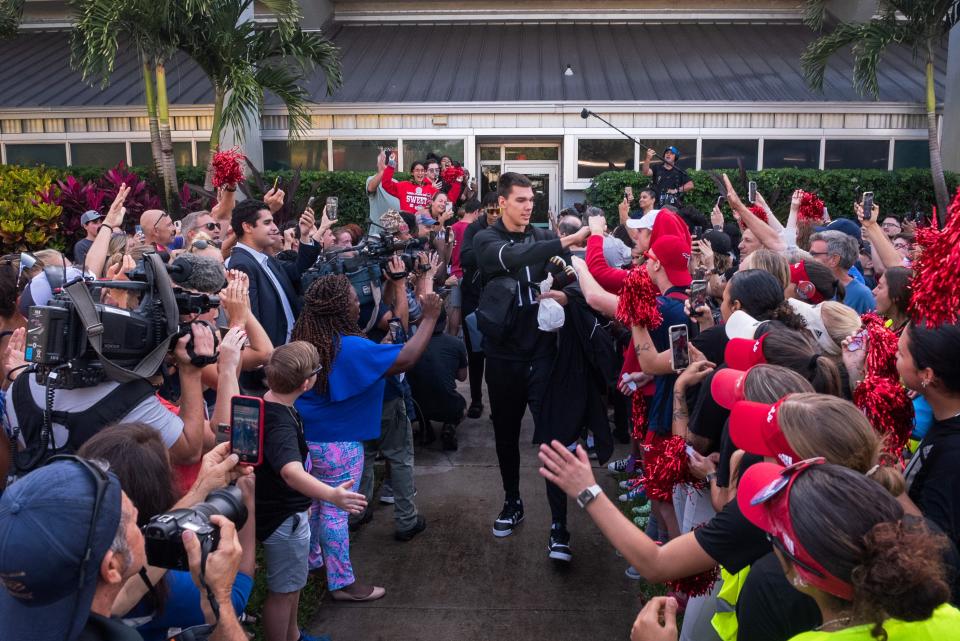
column 752, row 188
column 697, row 232
column 679, row 356
column 867, row 203
column 246, row 423
column 698, row 294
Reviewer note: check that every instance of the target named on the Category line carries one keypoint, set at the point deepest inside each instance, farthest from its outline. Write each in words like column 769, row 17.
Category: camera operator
column 668, row 179
column 512, row 255
column 69, row 543
column 138, row 458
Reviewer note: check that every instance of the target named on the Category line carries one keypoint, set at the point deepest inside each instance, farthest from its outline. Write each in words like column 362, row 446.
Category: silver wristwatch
column 588, row 495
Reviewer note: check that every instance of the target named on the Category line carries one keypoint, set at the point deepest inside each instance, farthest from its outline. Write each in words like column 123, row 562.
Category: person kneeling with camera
column 69, row 541
column 285, row 489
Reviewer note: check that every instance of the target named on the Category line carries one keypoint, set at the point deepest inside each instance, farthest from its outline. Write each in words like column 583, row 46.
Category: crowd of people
column 769, row 484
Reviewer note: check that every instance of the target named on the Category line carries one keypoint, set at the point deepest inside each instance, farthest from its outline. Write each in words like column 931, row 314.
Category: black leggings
column 512, row 386
column 475, row 361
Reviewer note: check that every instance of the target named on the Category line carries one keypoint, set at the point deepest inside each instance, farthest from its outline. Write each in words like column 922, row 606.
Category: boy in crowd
column 285, row 489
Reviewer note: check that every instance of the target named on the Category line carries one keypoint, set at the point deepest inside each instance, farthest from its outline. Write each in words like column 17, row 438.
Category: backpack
column 499, row 301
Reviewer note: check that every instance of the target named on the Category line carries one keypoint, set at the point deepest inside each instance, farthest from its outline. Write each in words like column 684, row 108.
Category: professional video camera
column 74, row 341
column 370, row 261
column 163, row 534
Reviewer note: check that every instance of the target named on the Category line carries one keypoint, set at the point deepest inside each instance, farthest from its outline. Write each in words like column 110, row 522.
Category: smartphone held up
column 679, row 347
column 246, row 429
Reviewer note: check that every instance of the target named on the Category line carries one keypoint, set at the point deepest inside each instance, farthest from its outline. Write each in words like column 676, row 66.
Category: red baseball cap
column 744, row 353
column 727, row 387
column 804, row 286
column 763, row 496
column 673, row 253
column 754, row 428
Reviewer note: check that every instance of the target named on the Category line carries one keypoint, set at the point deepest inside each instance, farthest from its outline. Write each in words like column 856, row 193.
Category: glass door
column 544, row 176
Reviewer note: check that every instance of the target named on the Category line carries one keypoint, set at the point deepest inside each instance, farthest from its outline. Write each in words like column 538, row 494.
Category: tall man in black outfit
column 669, row 181
column 519, row 364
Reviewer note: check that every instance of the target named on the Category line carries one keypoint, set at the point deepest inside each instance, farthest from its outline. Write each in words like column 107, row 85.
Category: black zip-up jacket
column 500, row 252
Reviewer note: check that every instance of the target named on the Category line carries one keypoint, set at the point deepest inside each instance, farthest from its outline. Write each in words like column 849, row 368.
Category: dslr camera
column 163, row 533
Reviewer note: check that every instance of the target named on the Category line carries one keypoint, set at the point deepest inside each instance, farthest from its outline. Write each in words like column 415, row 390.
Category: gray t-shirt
column 150, row 410
column 380, row 202
column 80, row 250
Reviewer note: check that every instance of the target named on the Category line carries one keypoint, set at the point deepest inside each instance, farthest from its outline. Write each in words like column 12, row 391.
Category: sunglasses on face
column 160, row 220
column 211, row 226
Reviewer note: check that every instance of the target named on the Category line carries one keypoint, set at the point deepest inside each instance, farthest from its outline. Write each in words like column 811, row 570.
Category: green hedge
column 897, row 191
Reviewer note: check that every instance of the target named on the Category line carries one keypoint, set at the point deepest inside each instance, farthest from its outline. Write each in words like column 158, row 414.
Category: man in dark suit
column 274, row 295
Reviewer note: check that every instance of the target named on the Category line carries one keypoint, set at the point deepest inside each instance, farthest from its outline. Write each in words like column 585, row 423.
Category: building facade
column 501, row 87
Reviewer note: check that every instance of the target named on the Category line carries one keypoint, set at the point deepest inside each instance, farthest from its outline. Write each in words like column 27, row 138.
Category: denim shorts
column 455, row 299
column 285, row 552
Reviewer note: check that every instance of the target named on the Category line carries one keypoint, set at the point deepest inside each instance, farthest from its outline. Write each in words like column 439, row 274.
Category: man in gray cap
column 90, row 221
column 69, row 541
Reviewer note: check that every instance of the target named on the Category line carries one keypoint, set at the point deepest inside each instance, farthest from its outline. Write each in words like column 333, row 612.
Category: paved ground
column 457, row 581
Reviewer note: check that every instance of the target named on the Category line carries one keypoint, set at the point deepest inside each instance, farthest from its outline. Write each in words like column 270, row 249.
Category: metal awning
column 503, row 63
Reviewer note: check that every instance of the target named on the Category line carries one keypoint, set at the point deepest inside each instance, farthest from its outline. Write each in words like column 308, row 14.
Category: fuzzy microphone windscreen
column 199, row 273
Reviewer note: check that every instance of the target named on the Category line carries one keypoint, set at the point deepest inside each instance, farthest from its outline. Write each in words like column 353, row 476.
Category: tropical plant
column 26, row 222
column 921, row 25
column 74, row 197
column 140, row 198
column 242, row 61
column 11, row 12
column 150, row 28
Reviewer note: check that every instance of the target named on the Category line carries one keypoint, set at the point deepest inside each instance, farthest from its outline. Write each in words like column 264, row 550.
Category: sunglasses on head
column 786, row 475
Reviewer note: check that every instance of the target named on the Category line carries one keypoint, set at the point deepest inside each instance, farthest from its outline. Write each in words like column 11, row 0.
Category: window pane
column 534, row 153
column 50, row 155
column 183, row 154
column 418, row 149
column 597, row 156
column 140, row 154
column 106, row 154
column 203, row 153
column 489, row 153
column 724, row 154
column 800, row 154
column 687, row 147
column 911, row 153
column 856, row 154
column 359, row 155
column 285, row 154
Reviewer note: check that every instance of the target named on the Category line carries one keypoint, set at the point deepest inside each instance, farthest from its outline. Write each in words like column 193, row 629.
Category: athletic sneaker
column 636, row 494
column 641, row 521
column 643, row 510
column 510, row 517
column 559, row 545
column 622, row 465
column 629, row 484
column 591, row 447
column 632, row 574
column 475, row 411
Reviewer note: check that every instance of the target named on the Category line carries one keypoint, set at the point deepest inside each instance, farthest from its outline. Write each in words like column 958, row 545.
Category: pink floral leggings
column 333, row 463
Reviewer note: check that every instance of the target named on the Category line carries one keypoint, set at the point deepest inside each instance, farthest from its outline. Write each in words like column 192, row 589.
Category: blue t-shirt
column 859, row 297
column 182, row 607
column 855, row 273
column 353, row 404
column 660, row 413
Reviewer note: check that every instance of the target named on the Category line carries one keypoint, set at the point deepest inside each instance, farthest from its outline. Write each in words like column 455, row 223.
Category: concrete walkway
column 456, row 581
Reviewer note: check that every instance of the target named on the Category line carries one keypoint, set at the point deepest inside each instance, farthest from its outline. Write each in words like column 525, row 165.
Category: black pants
column 475, row 362
column 512, row 386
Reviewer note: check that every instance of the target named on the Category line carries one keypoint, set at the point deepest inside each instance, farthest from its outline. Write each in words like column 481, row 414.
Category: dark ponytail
column 798, row 350
column 826, row 284
column 856, row 531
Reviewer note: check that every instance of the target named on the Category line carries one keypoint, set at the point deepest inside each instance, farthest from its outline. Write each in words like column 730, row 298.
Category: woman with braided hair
column 343, row 410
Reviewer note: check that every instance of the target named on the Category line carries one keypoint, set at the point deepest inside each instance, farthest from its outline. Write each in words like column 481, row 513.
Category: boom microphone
column 585, row 113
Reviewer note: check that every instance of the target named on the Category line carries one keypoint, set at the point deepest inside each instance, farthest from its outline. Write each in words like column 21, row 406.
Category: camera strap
column 87, row 311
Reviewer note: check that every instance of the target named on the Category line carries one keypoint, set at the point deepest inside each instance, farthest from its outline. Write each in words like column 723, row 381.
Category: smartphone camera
column 246, row 429
column 679, row 354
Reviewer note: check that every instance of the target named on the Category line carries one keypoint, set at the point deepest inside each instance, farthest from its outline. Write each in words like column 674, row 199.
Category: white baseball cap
column 644, row 222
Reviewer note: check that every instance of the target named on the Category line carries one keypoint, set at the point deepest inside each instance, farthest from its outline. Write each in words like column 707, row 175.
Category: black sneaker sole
column 503, row 533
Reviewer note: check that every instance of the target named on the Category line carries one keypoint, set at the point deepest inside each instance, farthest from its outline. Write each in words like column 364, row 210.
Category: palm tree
column 149, row 27
column 242, row 61
column 11, row 11
column 919, row 24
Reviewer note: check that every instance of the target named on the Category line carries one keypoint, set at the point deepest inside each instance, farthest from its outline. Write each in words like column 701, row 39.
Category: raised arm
column 388, row 183
column 596, row 296
column 883, row 248
column 610, row 278
column 767, row 236
column 646, row 163
column 374, row 181
column 97, row 255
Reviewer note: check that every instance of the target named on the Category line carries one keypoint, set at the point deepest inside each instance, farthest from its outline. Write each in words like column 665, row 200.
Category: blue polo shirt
column 350, row 409
column 660, row 413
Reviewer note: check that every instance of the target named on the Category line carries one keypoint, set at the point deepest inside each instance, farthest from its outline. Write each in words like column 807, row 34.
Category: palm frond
column 11, row 12
column 866, row 55
column 814, row 12
column 814, row 60
column 285, row 84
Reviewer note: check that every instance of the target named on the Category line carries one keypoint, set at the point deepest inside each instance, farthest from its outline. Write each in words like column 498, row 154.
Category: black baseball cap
column 720, row 242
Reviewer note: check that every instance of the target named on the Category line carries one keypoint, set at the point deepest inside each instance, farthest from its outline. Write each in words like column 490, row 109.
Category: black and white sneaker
column 510, row 517
column 559, row 545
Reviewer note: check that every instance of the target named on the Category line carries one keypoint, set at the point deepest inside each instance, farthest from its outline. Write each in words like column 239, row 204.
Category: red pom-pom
column 811, row 208
column 759, row 212
column 935, row 296
column 665, row 464
column 451, row 174
column 226, row 167
column 880, row 396
column 638, row 300
column 639, row 408
column 696, row 585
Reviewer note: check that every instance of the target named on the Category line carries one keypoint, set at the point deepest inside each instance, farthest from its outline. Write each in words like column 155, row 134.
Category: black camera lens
column 227, row 501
